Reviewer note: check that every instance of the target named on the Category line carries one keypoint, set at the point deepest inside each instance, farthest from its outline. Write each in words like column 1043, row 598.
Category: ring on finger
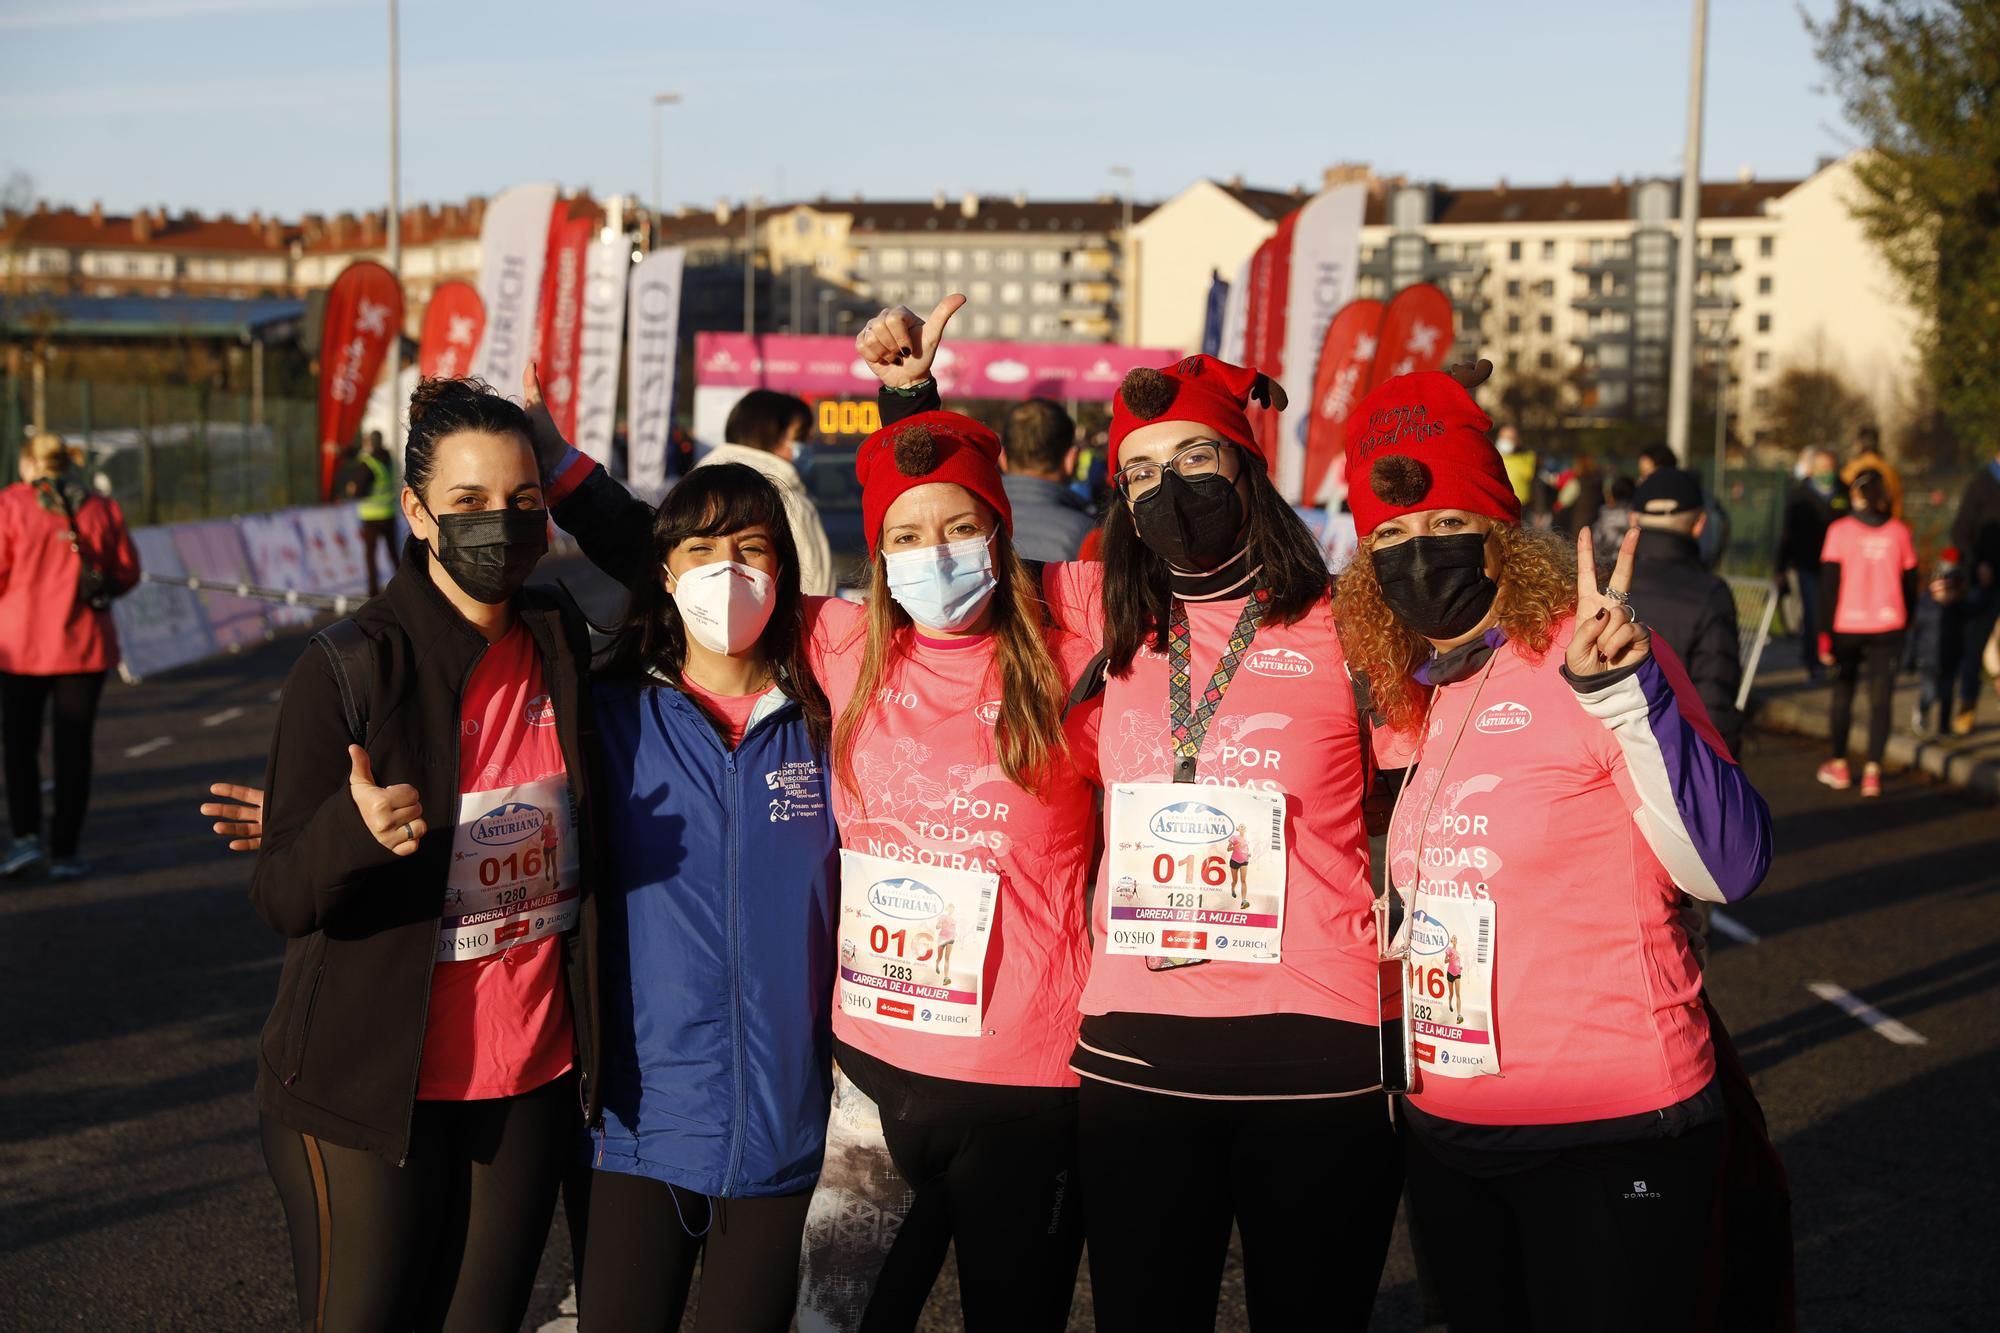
column 1616, row 597
column 409, row 833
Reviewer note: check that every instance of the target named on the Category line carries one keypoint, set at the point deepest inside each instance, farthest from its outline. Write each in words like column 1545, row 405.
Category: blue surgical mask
column 943, row 587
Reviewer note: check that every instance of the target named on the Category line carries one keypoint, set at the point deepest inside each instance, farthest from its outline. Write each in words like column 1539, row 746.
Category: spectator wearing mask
column 1815, row 502
column 1613, row 520
column 1050, row 519
column 1519, row 462
column 1975, row 531
column 64, row 555
column 1681, row 600
column 763, row 432
column 1868, row 587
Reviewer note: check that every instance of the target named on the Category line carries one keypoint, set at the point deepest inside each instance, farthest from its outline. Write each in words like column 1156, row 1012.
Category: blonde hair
column 1537, row 589
column 46, row 451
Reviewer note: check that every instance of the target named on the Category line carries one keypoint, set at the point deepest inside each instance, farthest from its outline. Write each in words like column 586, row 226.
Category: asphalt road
column 132, row 1193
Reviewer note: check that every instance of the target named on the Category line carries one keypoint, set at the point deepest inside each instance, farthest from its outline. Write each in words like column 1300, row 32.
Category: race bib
column 513, row 873
column 1448, row 1000
column 913, row 943
column 1197, row 872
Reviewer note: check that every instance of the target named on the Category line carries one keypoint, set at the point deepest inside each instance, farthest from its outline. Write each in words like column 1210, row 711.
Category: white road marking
column 1733, row 928
column 1862, row 1011
column 147, row 747
column 226, row 715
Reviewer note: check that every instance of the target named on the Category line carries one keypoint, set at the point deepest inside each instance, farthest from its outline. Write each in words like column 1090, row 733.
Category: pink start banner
column 796, row 363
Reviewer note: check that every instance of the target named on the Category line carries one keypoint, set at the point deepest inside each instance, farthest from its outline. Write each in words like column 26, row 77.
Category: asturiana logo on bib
column 539, row 711
column 1503, row 717
column 988, row 712
column 1279, row 662
column 510, row 822
column 1192, row 822
column 1427, row 933
column 905, row 899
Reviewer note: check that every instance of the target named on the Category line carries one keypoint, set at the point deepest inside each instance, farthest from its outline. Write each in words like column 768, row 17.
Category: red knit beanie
column 1197, row 389
column 1419, row 442
column 918, row 450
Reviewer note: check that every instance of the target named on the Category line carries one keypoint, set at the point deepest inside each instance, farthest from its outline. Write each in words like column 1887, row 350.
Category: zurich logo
column 1427, row 933
column 1191, row 822
column 905, row 899
column 513, row 821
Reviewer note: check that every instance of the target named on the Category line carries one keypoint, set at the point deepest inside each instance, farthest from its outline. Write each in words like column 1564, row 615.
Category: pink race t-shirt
column 499, row 1025
column 1287, row 725
column 932, row 792
column 1872, row 563
column 733, row 710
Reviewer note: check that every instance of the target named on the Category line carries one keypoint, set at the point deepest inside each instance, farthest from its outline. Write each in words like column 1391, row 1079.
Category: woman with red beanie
column 1229, row 1054
column 1564, row 1125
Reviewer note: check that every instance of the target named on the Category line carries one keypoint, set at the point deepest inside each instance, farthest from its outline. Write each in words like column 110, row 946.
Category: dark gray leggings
column 1879, row 655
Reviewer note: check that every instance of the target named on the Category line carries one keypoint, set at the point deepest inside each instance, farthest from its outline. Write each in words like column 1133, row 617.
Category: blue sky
column 280, row 104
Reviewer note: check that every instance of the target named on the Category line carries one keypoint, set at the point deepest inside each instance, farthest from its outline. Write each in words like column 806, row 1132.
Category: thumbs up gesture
column 393, row 814
column 899, row 347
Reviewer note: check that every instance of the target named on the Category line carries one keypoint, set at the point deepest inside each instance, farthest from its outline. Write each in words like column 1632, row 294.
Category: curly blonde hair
column 1537, row 589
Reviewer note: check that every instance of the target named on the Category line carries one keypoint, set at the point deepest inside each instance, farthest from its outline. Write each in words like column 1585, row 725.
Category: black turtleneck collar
column 1234, row 577
column 1463, row 660
column 1874, row 518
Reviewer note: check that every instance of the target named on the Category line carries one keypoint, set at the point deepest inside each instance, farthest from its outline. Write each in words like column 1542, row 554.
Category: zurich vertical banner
column 452, row 324
column 562, row 316
column 364, row 310
column 650, row 354
column 606, row 265
column 1326, row 248
column 513, row 245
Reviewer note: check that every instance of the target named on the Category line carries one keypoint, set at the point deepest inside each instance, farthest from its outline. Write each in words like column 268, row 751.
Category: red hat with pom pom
column 1198, row 389
column 928, row 447
column 1420, row 442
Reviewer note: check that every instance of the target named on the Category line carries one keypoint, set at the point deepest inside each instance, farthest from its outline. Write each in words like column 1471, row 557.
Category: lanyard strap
column 1191, row 724
column 1430, row 801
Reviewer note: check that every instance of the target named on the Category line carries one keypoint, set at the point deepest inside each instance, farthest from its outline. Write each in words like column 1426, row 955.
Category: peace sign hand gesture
column 899, row 347
column 1607, row 637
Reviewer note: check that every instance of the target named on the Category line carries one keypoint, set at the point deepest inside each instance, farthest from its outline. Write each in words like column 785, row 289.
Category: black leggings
column 1608, row 1236
column 450, row 1240
column 23, row 701
column 1880, row 653
column 1003, row 1195
column 645, row 1236
column 1310, row 1183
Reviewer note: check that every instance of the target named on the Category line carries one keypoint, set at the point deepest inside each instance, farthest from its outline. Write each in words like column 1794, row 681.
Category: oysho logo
column 988, row 712
column 1191, row 822
column 905, row 899
column 511, row 822
column 539, row 711
column 1504, row 717
column 1279, row 662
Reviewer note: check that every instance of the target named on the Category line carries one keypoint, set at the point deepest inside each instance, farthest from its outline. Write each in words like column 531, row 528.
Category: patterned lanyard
column 1191, row 724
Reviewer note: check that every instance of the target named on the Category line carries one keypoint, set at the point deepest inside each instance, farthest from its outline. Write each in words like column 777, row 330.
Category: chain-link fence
column 173, row 454
column 1756, row 504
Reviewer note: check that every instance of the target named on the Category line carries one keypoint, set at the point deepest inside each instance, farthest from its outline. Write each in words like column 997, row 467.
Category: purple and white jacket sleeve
column 1698, row 811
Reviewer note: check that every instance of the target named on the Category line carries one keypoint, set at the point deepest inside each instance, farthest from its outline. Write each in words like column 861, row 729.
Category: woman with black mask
column 420, row 1078
column 1251, row 1031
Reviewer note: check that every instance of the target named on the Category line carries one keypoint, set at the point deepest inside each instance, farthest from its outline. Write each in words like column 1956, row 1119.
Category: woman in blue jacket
column 717, row 924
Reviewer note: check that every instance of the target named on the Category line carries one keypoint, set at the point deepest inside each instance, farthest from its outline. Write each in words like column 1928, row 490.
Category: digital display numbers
column 845, row 417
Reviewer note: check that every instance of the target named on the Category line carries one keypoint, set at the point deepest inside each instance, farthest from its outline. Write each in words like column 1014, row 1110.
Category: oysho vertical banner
column 513, row 245
column 364, row 310
column 655, row 340
column 452, row 322
column 606, row 266
column 562, row 317
column 1326, row 247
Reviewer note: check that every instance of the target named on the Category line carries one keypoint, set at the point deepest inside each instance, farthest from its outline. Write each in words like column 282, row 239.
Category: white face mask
column 724, row 605
column 943, row 587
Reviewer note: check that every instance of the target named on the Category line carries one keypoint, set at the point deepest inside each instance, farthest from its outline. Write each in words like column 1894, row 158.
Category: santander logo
column 1279, row 662
column 1503, row 717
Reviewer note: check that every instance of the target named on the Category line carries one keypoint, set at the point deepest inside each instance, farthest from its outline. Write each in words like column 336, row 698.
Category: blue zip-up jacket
column 717, row 935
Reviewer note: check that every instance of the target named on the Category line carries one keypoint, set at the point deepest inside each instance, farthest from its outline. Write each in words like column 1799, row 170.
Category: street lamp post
column 1128, row 289
column 1681, row 369
column 659, row 100
column 396, row 405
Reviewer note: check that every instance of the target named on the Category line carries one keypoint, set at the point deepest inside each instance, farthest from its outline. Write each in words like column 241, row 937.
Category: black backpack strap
column 1089, row 683
column 352, row 658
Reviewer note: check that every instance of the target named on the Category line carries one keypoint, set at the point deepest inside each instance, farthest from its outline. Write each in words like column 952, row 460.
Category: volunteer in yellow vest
column 376, row 470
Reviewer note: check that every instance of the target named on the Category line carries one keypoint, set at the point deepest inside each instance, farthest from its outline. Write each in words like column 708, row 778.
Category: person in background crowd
column 371, row 480
column 765, row 431
column 1867, row 457
column 1613, row 519
column 1520, row 463
column 1581, row 497
column 1050, row 519
column 1929, row 653
column 1654, row 457
column 1683, row 601
column 421, row 1074
column 1975, row 531
column 1868, row 588
column 1816, row 500
column 65, row 554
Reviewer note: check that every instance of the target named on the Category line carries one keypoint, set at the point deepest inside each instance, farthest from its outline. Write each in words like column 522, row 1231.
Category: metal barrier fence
column 1756, row 607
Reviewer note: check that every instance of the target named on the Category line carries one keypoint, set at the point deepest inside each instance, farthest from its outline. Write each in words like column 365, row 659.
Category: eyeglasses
column 1201, row 459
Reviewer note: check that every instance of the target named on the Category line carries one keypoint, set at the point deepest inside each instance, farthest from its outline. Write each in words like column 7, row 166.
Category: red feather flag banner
column 1270, row 282
column 453, row 321
column 559, row 337
column 364, row 310
column 1346, row 367
column 1416, row 333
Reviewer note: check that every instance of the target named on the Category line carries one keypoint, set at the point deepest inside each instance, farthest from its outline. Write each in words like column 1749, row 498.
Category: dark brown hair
column 761, row 418
column 441, row 407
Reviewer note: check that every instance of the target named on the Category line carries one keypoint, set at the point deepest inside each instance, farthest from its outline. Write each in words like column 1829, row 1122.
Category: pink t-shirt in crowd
column 1287, row 725
column 733, row 710
column 500, row 1025
column 932, row 792
column 1872, row 563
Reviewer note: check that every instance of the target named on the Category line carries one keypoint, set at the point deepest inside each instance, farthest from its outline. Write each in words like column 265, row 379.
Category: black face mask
column 1194, row 525
column 1437, row 586
column 491, row 553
